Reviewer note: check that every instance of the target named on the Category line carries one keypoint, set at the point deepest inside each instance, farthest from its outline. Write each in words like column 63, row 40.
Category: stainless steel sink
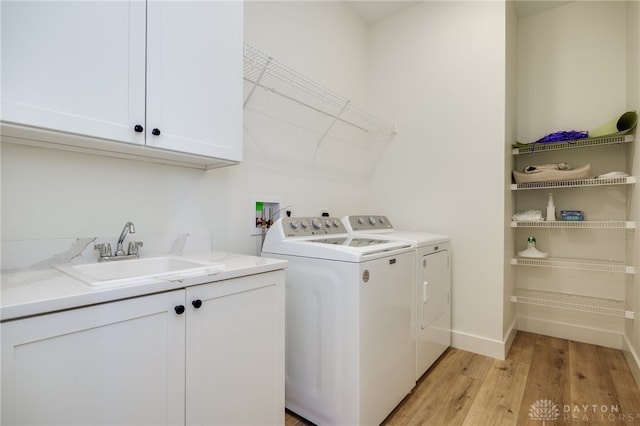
column 139, row 270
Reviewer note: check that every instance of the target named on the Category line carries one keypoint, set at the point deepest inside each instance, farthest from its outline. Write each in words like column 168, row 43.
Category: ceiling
column 374, row 10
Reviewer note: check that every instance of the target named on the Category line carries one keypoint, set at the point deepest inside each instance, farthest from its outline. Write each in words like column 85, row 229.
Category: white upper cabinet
column 194, row 77
column 75, row 66
column 164, row 77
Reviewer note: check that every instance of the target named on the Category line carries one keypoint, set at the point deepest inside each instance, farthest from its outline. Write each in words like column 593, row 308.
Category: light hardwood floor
column 543, row 381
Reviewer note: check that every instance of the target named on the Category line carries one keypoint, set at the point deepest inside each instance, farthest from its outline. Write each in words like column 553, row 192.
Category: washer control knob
column 361, row 221
column 381, row 220
column 316, row 223
column 293, row 224
column 372, row 220
column 303, row 224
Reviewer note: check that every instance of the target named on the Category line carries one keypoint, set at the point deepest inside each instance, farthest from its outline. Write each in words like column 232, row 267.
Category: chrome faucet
column 134, row 246
column 128, row 227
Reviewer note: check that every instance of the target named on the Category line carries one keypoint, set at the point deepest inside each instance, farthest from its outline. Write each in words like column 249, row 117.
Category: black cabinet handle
column 179, row 309
column 156, row 132
column 197, row 303
column 138, row 128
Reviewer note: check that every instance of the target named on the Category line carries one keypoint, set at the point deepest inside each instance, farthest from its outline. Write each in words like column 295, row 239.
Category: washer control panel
column 309, row 226
column 369, row 223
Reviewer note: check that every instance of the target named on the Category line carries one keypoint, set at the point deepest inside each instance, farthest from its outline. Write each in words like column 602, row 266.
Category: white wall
column 511, row 128
column 50, row 194
column 437, row 70
column 572, row 68
column 632, row 290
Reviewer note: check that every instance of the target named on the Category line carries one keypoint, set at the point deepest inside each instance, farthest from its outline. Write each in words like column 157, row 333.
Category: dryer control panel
column 309, row 226
column 368, row 223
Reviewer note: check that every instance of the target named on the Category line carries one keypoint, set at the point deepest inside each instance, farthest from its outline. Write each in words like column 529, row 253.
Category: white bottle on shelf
column 551, row 209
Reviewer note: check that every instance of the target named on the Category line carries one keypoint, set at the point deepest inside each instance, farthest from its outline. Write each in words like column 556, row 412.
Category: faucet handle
column 134, row 247
column 105, row 249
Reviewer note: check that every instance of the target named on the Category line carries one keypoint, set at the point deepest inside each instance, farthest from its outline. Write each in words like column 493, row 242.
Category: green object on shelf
column 617, row 126
column 259, row 206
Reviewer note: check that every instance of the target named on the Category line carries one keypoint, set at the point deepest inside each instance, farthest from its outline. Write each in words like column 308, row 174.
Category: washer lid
column 329, row 241
column 380, row 227
column 345, row 248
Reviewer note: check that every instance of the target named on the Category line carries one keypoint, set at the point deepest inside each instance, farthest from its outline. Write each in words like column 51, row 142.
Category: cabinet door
column 235, row 352
column 75, row 66
column 119, row 363
column 194, row 77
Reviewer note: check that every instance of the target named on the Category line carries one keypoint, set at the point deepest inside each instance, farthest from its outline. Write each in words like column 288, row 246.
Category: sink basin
column 132, row 271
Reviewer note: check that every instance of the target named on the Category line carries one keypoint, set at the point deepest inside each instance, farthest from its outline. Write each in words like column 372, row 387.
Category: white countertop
column 35, row 291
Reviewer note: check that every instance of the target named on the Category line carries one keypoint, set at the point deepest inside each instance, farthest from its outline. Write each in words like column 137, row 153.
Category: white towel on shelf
column 528, row 216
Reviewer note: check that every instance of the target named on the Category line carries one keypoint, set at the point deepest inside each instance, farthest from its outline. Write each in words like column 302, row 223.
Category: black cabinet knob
column 197, row 303
column 179, row 309
column 156, row 132
column 138, row 128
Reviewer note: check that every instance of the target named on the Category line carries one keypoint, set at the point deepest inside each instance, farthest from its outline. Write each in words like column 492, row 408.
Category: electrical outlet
column 324, row 212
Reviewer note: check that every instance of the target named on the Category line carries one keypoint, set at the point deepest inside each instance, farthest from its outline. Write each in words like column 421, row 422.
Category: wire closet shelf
column 616, row 308
column 576, row 264
column 265, row 72
column 579, row 224
column 628, row 180
column 537, row 147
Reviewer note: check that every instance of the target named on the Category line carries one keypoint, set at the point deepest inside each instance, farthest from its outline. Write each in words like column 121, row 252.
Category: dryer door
column 435, row 287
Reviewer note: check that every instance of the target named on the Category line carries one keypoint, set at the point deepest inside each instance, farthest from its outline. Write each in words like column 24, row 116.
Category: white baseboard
column 477, row 344
column 595, row 336
column 633, row 360
column 499, row 349
column 509, row 336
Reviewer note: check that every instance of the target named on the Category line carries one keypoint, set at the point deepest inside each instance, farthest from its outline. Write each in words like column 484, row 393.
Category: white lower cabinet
column 209, row 354
column 235, row 352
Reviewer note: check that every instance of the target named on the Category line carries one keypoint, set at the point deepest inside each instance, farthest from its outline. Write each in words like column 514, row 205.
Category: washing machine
column 431, row 315
column 350, row 351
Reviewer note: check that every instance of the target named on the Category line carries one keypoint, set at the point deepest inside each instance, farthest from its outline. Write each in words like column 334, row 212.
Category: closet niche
column 582, row 289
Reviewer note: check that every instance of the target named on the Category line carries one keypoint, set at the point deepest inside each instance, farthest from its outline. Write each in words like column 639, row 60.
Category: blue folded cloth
column 571, row 215
column 566, row 135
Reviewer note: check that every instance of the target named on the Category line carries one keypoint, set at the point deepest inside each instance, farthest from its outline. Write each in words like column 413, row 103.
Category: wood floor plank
column 548, row 380
column 445, row 393
column 499, row 398
column 625, row 386
column 292, row 419
column 523, row 347
column 470, row 389
column 591, row 384
column 445, row 404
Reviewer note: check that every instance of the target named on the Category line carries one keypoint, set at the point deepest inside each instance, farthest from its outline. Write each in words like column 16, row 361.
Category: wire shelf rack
column 265, row 72
column 577, row 224
column 574, row 302
column 577, row 143
column 578, row 264
column 628, row 180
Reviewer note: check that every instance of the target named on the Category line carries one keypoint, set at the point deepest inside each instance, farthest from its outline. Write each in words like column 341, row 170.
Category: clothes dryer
column 350, row 353
column 431, row 312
